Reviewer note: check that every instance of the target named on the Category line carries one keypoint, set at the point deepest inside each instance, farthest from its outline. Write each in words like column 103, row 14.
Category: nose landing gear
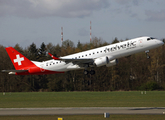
column 147, row 51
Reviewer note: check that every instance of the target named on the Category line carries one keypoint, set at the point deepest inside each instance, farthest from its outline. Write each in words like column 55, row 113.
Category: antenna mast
column 90, row 32
column 61, row 34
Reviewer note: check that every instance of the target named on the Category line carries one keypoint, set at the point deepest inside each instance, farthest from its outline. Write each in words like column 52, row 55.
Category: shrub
column 151, row 85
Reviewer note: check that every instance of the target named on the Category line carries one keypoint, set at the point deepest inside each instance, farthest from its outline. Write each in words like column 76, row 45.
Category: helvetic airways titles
column 128, row 45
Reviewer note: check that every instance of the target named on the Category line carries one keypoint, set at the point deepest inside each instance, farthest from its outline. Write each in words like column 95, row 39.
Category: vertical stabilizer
column 19, row 61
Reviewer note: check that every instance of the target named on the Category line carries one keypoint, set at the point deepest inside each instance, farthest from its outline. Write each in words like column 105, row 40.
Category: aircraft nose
column 160, row 42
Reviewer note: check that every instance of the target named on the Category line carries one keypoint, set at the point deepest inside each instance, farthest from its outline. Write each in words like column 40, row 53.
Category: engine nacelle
column 101, row 61
column 112, row 62
column 105, row 61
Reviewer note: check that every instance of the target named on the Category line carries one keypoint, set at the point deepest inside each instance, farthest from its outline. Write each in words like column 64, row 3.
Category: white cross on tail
column 18, row 59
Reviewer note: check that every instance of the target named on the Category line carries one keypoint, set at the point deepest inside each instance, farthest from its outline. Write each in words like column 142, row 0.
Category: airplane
column 102, row 56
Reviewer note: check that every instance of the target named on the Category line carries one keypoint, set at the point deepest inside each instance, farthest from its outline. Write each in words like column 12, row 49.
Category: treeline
column 134, row 72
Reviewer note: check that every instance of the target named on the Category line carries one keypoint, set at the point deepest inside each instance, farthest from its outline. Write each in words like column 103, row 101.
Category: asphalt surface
column 82, row 111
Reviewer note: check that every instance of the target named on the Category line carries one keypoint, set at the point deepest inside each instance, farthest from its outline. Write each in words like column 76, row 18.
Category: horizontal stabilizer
column 15, row 71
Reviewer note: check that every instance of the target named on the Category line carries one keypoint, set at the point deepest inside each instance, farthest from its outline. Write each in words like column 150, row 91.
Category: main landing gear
column 147, row 51
column 92, row 72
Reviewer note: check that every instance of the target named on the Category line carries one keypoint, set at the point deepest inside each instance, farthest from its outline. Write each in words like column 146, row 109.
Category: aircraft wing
column 77, row 61
column 74, row 61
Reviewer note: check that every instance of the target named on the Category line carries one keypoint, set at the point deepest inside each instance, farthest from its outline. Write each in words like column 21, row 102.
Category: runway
column 81, row 111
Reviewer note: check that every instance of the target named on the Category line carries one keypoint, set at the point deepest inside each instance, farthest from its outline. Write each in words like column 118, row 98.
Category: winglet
column 55, row 58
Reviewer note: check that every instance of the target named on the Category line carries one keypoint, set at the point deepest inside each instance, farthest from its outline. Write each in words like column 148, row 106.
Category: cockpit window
column 151, row 38
column 148, row 39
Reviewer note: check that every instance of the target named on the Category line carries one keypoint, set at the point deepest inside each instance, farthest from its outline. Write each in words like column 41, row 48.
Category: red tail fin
column 19, row 61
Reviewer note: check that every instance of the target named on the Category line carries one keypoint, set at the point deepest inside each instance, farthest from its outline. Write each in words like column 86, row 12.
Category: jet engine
column 112, row 62
column 105, row 61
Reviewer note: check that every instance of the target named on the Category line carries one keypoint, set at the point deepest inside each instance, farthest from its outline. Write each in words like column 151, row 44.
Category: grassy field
column 86, row 117
column 82, row 99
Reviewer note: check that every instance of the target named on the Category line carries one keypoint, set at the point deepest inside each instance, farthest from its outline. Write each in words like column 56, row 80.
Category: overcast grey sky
column 27, row 21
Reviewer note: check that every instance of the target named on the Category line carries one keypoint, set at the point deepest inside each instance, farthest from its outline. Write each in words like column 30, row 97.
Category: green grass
column 86, row 117
column 82, row 99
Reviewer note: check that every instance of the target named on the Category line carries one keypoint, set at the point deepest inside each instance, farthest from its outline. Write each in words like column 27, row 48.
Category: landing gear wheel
column 147, row 56
column 86, row 72
column 92, row 72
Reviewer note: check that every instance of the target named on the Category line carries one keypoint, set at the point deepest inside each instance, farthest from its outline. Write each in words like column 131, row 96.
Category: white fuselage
column 113, row 51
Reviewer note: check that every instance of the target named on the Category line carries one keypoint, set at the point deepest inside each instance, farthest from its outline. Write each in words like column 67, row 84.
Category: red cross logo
column 18, row 59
